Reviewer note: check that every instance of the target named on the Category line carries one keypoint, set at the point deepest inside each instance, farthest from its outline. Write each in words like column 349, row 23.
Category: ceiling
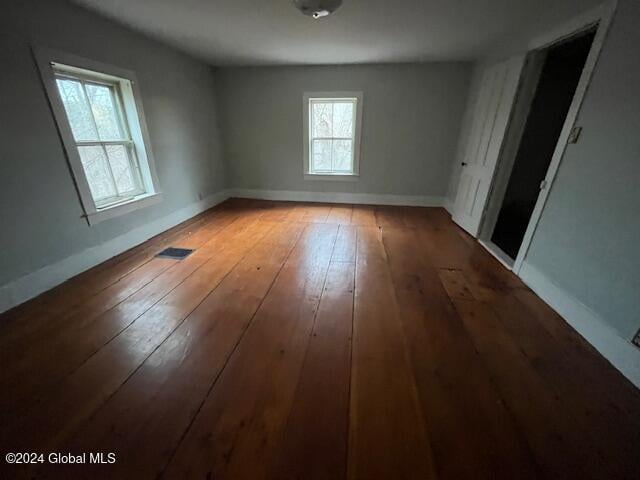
column 273, row 32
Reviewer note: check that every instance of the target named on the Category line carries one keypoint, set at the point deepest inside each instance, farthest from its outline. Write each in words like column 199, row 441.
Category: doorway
column 555, row 73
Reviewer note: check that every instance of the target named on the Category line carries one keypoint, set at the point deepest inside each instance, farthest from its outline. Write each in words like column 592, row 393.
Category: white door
column 496, row 96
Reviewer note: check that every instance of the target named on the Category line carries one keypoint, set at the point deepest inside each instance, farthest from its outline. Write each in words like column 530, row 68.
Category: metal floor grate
column 175, row 253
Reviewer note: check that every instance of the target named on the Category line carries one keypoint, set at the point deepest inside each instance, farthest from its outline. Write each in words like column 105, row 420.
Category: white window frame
column 49, row 63
column 307, row 98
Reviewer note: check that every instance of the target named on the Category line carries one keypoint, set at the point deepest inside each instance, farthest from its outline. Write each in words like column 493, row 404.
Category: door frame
column 601, row 18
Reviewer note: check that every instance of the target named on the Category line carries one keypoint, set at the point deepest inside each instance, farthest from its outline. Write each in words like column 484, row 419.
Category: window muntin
column 332, row 127
column 101, row 134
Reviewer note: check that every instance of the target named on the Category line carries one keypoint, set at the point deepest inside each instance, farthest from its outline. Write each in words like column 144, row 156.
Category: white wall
column 411, row 120
column 40, row 214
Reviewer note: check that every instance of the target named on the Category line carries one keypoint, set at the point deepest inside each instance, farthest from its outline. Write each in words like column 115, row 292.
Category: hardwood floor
column 310, row 341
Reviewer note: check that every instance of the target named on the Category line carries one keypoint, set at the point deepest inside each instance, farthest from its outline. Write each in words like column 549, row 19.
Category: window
column 101, row 135
column 103, row 131
column 332, row 134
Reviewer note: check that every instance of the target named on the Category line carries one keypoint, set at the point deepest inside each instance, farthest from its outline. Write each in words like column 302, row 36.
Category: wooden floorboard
column 559, row 444
column 58, row 350
column 156, row 405
column 245, row 413
column 314, row 442
column 340, row 214
column 47, row 420
column 456, row 391
column 79, row 288
column 85, row 291
column 310, row 341
column 387, row 432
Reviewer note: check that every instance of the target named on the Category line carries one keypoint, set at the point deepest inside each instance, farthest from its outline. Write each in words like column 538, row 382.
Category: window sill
column 342, row 177
column 118, row 209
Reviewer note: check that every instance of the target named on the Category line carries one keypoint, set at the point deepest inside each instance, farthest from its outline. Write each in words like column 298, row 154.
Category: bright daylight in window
column 101, row 133
column 332, row 135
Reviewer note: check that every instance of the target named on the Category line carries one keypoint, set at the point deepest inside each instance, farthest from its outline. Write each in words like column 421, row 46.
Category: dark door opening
column 559, row 78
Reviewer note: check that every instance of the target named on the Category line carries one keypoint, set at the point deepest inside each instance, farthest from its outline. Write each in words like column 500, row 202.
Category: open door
column 495, row 101
column 556, row 87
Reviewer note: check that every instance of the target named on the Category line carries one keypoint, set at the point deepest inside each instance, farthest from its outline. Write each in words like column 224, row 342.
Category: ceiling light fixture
column 317, row 8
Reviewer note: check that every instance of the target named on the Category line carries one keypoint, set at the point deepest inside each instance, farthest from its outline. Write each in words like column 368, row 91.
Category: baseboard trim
column 497, row 253
column 448, row 205
column 33, row 284
column 620, row 352
column 339, row 197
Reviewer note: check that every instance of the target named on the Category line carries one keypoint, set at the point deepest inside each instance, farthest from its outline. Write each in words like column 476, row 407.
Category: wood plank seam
column 213, row 384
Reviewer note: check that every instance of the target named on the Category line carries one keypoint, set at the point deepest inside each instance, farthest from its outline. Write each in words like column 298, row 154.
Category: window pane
column 121, row 168
column 104, row 111
column 322, row 116
column 321, row 155
column 343, row 120
column 94, row 162
column 77, row 109
column 342, row 155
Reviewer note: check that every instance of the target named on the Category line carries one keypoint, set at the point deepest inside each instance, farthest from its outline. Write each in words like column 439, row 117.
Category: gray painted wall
column 40, row 214
column 588, row 238
column 411, row 120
